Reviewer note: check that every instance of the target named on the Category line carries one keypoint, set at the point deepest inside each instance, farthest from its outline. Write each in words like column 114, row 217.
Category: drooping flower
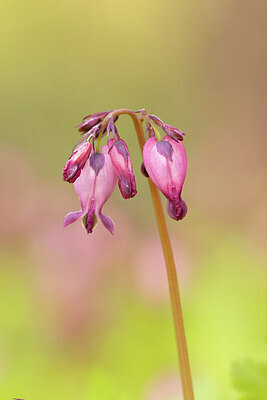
column 94, row 186
column 76, row 162
column 166, row 163
column 120, row 158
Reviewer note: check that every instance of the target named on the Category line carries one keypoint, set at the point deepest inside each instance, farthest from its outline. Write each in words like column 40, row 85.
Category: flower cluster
column 95, row 170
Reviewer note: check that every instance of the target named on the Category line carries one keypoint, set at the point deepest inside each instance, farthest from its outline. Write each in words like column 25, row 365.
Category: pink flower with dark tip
column 120, row 158
column 166, row 163
column 76, row 162
column 94, row 187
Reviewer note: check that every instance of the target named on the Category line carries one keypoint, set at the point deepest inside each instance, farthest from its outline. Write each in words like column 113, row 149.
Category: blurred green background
column 88, row 317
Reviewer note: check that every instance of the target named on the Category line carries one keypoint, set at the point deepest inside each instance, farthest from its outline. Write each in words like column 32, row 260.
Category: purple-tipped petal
column 127, row 185
column 123, row 168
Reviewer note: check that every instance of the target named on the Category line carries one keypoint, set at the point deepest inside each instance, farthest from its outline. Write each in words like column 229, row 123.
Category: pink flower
column 94, row 186
column 76, row 162
column 165, row 162
column 120, row 158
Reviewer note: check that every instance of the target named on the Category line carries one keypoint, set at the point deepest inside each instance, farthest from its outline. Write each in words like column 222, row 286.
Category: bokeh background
column 88, row 317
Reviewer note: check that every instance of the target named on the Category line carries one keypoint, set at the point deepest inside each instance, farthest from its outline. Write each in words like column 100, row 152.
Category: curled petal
column 88, row 124
column 73, row 217
column 157, row 120
column 174, row 133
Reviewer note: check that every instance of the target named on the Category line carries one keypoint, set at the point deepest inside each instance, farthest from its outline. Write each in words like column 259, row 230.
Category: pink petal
column 84, row 188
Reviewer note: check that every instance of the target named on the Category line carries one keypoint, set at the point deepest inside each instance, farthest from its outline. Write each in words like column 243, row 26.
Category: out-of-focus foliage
column 249, row 377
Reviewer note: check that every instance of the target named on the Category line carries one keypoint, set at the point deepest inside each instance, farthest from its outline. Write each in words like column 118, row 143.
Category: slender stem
column 175, row 295
column 173, row 286
column 171, row 271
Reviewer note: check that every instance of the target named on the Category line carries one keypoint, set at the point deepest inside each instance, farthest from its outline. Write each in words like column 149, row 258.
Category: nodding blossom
column 93, row 187
column 165, row 163
column 95, row 172
column 120, row 158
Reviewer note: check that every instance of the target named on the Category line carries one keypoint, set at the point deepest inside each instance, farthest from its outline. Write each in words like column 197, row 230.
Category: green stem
column 171, row 270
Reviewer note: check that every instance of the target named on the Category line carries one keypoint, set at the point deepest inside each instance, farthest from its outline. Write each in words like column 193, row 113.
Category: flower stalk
column 173, row 283
column 171, row 271
column 95, row 179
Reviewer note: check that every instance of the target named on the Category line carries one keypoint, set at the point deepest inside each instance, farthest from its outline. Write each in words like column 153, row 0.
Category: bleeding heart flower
column 165, row 162
column 94, row 186
column 76, row 162
column 120, row 158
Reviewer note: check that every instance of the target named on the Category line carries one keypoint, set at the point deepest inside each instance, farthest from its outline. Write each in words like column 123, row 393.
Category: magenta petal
column 76, row 162
column 90, row 219
column 166, row 164
column 120, row 158
column 107, row 222
column 176, row 210
column 105, row 184
column 73, row 217
column 83, row 189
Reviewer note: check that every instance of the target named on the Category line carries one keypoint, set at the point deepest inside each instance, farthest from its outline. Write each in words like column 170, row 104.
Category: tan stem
column 171, row 270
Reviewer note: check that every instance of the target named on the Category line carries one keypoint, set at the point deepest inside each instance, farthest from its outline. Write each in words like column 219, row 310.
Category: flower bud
column 123, row 168
column 76, row 162
column 157, row 120
column 174, row 133
column 88, row 124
